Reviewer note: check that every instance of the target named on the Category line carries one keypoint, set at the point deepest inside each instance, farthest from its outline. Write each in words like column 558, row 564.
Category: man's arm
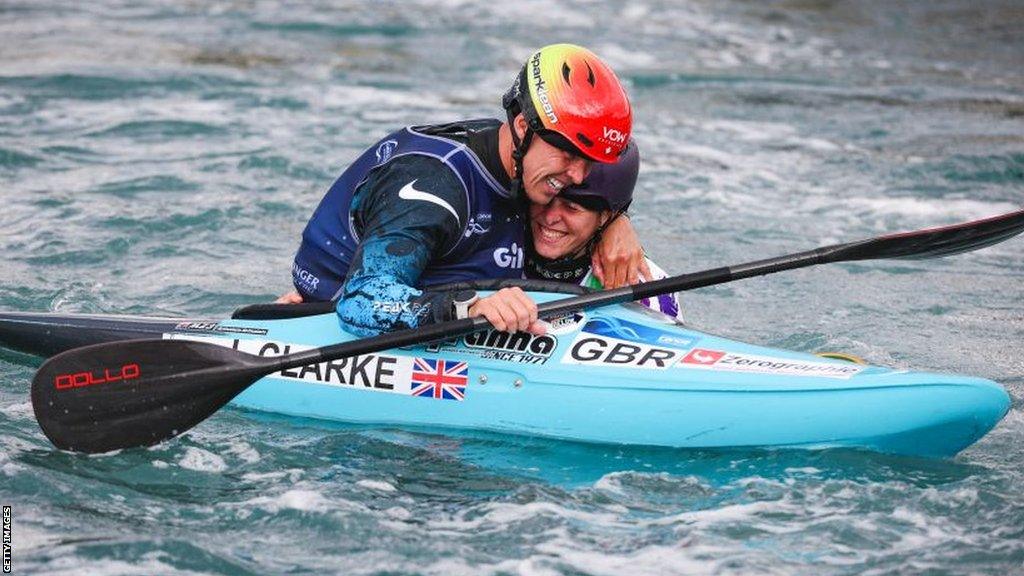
column 400, row 234
column 618, row 258
column 407, row 212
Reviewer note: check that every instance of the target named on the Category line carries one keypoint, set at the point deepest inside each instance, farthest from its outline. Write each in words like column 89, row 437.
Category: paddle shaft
column 560, row 307
column 550, row 309
column 927, row 243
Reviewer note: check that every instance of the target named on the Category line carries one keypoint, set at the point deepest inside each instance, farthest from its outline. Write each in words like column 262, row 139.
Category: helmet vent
column 590, row 76
column 565, row 73
column 586, row 141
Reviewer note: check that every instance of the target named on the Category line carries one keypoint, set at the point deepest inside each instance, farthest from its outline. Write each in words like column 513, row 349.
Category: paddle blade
column 935, row 242
column 136, row 393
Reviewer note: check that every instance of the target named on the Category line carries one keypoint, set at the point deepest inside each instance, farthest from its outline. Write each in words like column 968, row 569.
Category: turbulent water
column 162, row 157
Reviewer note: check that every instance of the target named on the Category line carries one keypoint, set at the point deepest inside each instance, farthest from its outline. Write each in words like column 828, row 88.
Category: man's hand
column 292, row 297
column 618, row 259
column 509, row 310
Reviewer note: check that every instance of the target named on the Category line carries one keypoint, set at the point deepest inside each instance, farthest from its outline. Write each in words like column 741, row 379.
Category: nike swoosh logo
column 409, row 193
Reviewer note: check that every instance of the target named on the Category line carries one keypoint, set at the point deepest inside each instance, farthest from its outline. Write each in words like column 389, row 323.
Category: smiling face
column 562, row 227
column 547, row 169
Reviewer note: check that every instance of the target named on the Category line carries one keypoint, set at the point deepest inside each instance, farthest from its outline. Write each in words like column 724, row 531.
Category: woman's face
column 562, row 227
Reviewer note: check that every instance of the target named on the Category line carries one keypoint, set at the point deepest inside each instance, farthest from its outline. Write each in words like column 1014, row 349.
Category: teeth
column 549, row 234
column 555, row 184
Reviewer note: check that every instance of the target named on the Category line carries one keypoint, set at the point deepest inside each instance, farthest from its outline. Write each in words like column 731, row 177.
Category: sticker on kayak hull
column 386, row 373
column 567, row 324
column 703, row 359
column 620, row 329
column 521, row 347
column 439, row 379
column 615, row 353
column 217, row 327
column 616, row 343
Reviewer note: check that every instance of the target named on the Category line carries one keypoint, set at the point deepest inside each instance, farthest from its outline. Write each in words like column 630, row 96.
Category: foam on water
column 925, row 210
column 377, row 485
column 297, row 499
column 202, row 461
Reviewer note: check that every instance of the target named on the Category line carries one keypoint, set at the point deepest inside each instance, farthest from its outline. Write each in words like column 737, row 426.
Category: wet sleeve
column 408, row 213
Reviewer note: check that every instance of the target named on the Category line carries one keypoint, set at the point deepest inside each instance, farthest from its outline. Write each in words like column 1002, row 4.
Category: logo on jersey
column 511, row 257
column 305, row 278
column 475, row 227
column 385, row 150
column 409, row 192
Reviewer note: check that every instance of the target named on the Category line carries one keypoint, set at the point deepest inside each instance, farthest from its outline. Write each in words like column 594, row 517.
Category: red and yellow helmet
column 573, row 100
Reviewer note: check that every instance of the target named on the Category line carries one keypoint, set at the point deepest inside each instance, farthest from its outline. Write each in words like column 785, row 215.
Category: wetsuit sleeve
column 407, row 213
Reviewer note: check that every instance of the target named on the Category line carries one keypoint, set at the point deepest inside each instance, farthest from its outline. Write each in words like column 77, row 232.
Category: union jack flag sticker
column 440, row 379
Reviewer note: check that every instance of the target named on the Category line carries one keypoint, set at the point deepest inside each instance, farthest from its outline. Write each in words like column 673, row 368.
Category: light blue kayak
column 616, row 374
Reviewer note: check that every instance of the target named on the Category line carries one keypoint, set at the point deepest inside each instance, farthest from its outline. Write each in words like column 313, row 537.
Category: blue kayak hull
column 924, row 416
column 612, row 375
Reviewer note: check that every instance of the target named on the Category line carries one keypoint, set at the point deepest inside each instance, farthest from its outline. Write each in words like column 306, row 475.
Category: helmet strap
column 519, row 148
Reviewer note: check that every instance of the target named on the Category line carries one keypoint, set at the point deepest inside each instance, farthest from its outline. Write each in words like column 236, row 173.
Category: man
column 431, row 205
column 564, row 232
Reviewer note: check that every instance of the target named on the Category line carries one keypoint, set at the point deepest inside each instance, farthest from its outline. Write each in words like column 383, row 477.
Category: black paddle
column 141, row 392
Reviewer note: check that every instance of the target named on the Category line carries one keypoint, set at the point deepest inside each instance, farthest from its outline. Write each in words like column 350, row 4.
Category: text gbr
column 600, row 351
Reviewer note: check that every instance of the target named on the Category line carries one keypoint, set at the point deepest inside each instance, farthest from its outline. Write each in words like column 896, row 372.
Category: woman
column 564, row 232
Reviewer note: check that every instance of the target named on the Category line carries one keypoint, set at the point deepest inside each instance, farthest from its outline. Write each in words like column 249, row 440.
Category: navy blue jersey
column 417, row 209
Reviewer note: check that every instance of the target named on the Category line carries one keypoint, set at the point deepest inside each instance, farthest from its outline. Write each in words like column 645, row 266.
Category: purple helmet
column 608, row 186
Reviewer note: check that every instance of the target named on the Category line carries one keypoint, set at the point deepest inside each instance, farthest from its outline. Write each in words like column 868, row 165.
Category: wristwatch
column 461, row 302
